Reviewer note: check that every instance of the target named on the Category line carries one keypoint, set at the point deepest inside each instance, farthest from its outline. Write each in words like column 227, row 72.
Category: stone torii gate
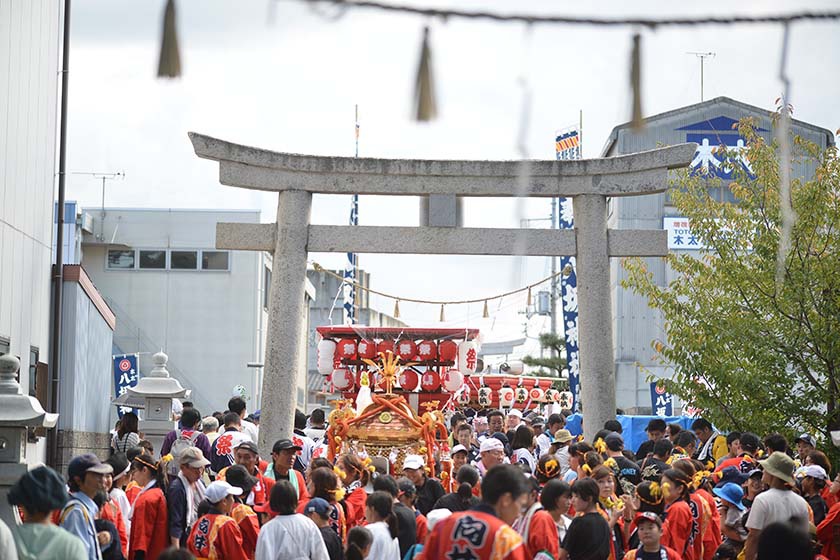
column 296, row 177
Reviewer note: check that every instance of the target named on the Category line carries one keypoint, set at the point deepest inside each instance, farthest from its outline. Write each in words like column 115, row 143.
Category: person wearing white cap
column 514, row 418
column 429, row 490
column 491, row 453
column 812, row 481
column 216, row 535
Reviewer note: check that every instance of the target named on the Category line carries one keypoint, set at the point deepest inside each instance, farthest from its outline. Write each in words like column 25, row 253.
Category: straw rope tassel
column 636, row 83
column 169, row 65
column 397, row 309
column 424, row 93
column 442, row 316
column 486, row 314
column 530, row 299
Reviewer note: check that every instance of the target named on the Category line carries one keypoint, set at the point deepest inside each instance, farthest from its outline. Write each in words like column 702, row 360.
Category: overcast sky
column 289, row 82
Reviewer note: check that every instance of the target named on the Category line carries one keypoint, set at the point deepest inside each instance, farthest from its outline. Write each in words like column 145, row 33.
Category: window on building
column 183, row 260
column 33, row 372
column 120, row 259
column 214, row 260
column 266, row 286
column 153, row 259
column 4, row 345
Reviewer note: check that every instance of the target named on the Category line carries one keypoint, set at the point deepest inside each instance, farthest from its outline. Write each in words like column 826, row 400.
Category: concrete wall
column 635, row 325
column 29, row 96
column 208, row 322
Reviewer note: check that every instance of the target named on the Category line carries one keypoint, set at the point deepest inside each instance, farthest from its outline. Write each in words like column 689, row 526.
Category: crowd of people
column 505, row 487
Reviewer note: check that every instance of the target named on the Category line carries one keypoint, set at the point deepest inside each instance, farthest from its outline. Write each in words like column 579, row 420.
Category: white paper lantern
column 521, row 394
column 342, row 379
column 452, row 380
column 484, row 397
column 467, row 356
column 552, row 395
column 537, row 394
column 506, row 397
column 464, row 396
column 326, row 356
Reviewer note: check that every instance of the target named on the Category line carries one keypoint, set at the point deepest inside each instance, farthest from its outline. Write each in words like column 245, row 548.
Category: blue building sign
column 711, row 160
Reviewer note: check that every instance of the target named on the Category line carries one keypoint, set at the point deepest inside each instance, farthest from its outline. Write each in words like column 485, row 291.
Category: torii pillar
column 296, row 177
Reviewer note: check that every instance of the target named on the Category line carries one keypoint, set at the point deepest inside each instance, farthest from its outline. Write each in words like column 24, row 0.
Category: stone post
column 17, row 413
column 286, row 312
column 597, row 376
column 158, row 389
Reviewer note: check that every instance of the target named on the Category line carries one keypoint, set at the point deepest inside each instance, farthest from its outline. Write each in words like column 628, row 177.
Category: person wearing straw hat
column 777, row 504
column 216, row 535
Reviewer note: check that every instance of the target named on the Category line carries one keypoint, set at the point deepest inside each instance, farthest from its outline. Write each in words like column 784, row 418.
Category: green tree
column 550, row 366
column 751, row 353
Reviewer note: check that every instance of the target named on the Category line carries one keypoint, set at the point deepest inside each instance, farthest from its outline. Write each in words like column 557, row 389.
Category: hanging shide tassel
column 397, row 309
column 486, row 310
column 442, row 316
column 636, row 83
column 530, row 299
column 424, row 93
column 169, row 65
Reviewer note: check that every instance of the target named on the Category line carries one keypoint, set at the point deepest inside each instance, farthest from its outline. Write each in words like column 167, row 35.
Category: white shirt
column 118, row 495
column 543, row 444
column 384, row 547
column 249, row 428
column 291, row 537
column 524, row 457
column 774, row 505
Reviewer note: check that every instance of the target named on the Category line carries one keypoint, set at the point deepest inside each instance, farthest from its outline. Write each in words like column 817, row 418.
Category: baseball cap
column 458, row 449
column 435, row 516
column 237, row 475
column 248, row 445
column 491, row 444
column 406, row 487
column 614, row 441
column 193, row 457
column 87, row 463
column 537, row 421
column 515, row 412
column 283, row 444
column 814, row 471
column 319, row 506
column 647, row 516
column 806, row 438
column 219, row 489
column 413, row 462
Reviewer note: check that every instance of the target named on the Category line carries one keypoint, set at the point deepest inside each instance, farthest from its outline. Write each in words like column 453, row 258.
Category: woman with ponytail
column 355, row 476
column 700, row 511
column 647, row 499
column 382, row 523
column 149, row 525
column 323, row 483
column 680, row 529
column 359, row 542
column 463, row 499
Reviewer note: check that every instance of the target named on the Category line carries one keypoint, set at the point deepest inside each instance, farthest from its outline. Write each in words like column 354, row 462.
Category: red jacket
column 355, row 503
column 216, row 537
column 110, row 511
column 678, row 529
column 671, row 554
column 542, row 535
column 149, row 526
column 477, row 533
column 828, row 532
column 249, row 526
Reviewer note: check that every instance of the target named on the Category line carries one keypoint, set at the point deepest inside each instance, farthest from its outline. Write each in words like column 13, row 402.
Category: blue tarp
column 633, row 427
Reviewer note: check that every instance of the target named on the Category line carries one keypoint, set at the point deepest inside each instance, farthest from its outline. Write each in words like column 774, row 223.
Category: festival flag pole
column 351, row 271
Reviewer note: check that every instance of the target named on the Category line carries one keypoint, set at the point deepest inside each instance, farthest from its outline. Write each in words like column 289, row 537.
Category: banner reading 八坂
column 125, row 376
column 661, row 401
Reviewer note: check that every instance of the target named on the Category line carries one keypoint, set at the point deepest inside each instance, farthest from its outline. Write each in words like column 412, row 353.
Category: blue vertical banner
column 349, row 294
column 661, row 401
column 125, row 376
column 568, row 147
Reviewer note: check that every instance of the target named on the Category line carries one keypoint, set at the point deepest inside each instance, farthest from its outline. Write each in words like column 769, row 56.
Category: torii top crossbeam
column 296, row 177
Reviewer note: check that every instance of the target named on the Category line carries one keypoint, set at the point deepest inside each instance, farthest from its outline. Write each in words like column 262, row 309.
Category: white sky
column 291, row 85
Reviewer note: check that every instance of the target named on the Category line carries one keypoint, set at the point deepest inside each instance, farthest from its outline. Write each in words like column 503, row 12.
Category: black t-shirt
column 406, row 527
column 588, row 538
column 818, row 507
column 332, row 542
column 641, row 554
column 628, row 471
column 453, row 503
column 652, row 469
column 428, row 495
column 644, row 450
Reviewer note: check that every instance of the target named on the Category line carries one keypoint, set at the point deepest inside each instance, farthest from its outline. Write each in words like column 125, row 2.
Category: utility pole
column 104, row 177
column 702, row 56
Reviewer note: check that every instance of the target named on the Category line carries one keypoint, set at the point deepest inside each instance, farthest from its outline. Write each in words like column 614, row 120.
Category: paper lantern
column 430, row 381
column 521, row 394
column 346, row 349
column 409, row 380
column 452, row 380
column 326, row 356
column 464, row 396
column 406, row 350
column 552, row 395
column 484, row 397
column 447, row 350
column 427, row 350
column 537, row 395
column 506, row 396
column 565, row 399
column 342, row 379
column 467, row 356
column 385, row 346
column 366, row 349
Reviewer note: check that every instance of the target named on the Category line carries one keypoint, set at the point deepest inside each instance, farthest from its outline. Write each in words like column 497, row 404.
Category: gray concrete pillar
column 286, row 325
column 597, row 379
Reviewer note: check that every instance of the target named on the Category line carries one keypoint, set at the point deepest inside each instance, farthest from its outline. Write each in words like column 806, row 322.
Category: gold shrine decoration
column 390, row 369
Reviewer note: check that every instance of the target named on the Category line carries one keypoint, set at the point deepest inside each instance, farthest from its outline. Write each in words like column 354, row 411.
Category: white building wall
column 30, row 40
column 206, row 321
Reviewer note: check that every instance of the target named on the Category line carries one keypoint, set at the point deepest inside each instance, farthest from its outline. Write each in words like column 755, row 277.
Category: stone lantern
column 17, row 413
column 158, row 389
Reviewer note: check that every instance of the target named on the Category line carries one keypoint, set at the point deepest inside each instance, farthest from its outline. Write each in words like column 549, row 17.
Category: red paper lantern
column 384, row 347
column 342, row 379
column 427, row 350
column 366, row 349
column 447, row 350
column 346, row 349
column 409, row 380
column 430, row 381
column 406, row 350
